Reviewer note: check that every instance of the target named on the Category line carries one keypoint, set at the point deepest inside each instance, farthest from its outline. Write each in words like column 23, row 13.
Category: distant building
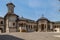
column 13, row 23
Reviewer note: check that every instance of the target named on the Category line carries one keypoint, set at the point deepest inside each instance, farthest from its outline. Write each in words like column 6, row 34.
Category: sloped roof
column 42, row 18
column 57, row 22
column 1, row 18
column 25, row 19
column 10, row 4
column 9, row 14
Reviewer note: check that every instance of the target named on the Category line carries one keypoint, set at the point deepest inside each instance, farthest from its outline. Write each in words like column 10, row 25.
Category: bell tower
column 10, row 7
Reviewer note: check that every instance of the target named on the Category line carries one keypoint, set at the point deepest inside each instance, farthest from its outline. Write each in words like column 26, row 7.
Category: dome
column 42, row 18
column 10, row 4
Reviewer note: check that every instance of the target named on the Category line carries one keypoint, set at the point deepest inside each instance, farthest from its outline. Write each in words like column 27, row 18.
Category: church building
column 13, row 23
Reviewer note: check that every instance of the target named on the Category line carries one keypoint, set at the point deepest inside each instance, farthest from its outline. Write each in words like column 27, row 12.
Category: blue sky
column 33, row 9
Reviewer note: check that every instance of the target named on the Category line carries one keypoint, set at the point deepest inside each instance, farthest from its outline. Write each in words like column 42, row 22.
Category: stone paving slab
column 34, row 36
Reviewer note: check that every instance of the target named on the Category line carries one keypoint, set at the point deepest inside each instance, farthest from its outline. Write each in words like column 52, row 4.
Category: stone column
column 0, row 31
column 20, row 28
column 39, row 27
column 3, row 29
column 7, row 28
column 46, row 27
column 51, row 27
column 32, row 27
column 25, row 27
column 59, row 29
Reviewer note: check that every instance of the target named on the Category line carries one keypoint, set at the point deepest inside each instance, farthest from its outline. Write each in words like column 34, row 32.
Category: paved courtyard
column 30, row 36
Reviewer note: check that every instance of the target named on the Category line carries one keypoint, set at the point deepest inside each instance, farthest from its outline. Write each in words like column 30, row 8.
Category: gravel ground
column 30, row 36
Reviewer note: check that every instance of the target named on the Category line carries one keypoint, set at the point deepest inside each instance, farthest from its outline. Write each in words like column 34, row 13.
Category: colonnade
column 27, row 27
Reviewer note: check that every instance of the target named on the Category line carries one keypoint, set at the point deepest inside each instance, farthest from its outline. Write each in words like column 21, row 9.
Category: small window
column 13, row 24
column 1, row 22
column 21, row 24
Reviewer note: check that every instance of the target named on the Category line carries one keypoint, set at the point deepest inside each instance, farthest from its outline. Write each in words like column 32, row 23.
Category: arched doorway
column 42, row 27
column 1, row 30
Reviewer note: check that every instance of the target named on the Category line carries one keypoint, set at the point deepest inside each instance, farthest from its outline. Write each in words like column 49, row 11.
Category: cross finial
column 42, row 15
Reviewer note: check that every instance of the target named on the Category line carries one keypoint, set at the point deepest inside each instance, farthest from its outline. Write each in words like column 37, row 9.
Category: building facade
column 13, row 23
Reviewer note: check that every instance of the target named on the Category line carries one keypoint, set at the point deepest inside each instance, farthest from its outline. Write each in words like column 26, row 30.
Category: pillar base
column 7, row 30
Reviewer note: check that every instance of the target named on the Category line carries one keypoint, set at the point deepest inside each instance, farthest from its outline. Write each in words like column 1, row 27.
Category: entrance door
column 1, row 30
column 42, row 27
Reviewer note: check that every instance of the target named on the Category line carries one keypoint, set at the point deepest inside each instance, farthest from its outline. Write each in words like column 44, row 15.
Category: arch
column 1, row 30
column 42, row 27
column 1, row 22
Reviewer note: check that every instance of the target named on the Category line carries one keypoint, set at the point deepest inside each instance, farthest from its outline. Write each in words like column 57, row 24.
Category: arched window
column 13, row 24
column 1, row 22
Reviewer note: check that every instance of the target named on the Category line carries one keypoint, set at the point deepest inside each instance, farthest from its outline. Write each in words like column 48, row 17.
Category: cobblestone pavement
column 30, row 36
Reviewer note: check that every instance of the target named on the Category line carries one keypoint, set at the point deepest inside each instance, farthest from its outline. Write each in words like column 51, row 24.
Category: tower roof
column 42, row 18
column 10, row 10
column 10, row 4
column 9, row 14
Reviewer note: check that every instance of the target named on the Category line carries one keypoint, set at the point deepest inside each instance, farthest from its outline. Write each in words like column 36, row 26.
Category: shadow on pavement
column 9, row 37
